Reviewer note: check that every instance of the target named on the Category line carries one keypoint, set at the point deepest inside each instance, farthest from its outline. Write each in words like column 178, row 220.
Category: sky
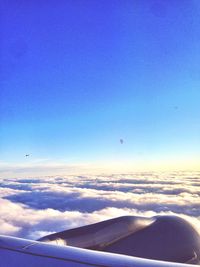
column 78, row 76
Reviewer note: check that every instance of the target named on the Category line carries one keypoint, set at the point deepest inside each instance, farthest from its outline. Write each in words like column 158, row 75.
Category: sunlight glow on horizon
column 52, row 168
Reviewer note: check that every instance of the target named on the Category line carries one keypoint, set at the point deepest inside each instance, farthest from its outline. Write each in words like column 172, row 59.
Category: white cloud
column 33, row 207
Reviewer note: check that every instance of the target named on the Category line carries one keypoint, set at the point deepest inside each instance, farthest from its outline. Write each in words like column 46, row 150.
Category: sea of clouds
column 34, row 207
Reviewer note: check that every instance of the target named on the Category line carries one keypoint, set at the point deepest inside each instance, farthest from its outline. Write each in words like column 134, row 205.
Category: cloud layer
column 34, row 207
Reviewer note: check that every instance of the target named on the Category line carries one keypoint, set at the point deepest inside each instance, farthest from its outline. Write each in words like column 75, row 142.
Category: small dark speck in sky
column 121, row 141
column 158, row 9
column 18, row 48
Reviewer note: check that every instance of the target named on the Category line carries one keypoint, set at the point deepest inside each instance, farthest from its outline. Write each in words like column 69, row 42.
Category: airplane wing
column 164, row 238
column 17, row 252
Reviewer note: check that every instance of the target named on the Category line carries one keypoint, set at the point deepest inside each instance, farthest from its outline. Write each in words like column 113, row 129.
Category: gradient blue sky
column 76, row 76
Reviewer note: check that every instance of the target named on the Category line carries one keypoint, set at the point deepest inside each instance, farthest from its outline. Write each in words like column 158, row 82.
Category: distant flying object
column 121, row 141
column 160, row 241
column 27, row 155
column 131, row 241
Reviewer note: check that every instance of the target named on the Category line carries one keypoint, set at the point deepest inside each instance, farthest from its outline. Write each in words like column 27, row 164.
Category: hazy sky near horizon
column 77, row 76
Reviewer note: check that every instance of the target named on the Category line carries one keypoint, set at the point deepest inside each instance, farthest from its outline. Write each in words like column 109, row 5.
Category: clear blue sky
column 76, row 76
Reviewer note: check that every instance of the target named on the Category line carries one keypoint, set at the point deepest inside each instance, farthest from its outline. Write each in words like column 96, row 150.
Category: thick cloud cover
column 34, row 207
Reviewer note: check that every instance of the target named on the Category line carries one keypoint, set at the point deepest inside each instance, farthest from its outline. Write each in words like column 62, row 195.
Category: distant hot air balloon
column 121, row 141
